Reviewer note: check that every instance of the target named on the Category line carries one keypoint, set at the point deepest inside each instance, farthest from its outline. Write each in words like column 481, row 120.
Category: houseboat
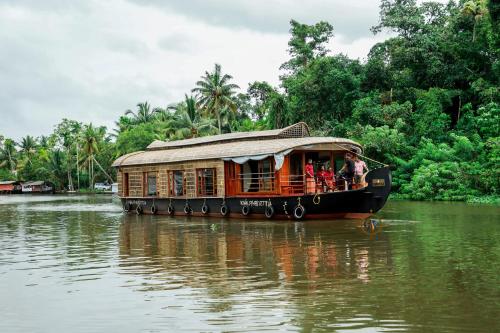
column 38, row 186
column 10, row 187
column 257, row 174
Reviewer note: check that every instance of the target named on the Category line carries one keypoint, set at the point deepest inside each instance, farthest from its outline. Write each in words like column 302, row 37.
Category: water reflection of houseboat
column 248, row 174
column 281, row 251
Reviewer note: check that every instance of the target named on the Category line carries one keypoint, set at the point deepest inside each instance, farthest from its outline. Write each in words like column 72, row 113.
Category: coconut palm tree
column 477, row 9
column 8, row 155
column 164, row 114
column 144, row 113
column 187, row 123
column 44, row 142
column 56, row 167
column 28, row 147
column 216, row 92
column 67, row 142
column 90, row 138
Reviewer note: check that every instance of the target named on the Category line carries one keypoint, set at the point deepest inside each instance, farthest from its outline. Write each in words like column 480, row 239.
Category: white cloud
column 350, row 18
column 91, row 60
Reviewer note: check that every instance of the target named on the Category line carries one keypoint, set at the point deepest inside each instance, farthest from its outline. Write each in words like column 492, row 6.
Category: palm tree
column 90, row 137
column 187, row 123
column 477, row 9
column 44, row 142
column 144, row 113
column 56, row 168
column 8, row 155
column 28, row 147
column 215, row 92
column 67, row 142
column 165, row 115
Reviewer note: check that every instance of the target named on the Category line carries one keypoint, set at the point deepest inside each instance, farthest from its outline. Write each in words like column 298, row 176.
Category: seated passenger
column 320, row 178
column 330, row 179
column 310, row 182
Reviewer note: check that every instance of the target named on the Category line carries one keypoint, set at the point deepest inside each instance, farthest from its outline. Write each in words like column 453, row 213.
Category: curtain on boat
column 279, row 158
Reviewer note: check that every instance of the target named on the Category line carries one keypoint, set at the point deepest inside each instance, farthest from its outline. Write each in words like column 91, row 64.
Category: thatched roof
column 220, row 150
column 8, row 182
column 299, row 130
column 35, row 183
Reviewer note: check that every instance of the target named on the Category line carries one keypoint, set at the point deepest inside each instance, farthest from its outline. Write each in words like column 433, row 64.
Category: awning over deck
column 239, row 150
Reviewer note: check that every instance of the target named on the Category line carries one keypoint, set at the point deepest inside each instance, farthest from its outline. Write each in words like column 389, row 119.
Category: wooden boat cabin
column 248, row 174
column 10, row 187
column 38, row 186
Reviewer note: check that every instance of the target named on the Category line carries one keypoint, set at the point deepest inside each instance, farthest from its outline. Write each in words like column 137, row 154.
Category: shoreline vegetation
column 426, row 101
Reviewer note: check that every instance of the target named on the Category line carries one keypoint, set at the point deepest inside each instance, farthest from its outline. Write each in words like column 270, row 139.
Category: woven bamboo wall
column 136, row 175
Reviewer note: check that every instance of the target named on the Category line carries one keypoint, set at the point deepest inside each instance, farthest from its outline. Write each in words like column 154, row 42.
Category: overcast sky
column 91, row 60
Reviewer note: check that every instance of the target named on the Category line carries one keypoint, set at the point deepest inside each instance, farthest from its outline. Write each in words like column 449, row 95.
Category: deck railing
column 267, row 182
column 257, row 182
column 293, row 184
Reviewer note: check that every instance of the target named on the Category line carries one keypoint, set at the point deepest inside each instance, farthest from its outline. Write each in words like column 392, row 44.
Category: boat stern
column 379, row 186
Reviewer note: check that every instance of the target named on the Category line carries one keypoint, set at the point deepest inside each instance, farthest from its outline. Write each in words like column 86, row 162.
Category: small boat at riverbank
column 30, row 187
column 257, row 174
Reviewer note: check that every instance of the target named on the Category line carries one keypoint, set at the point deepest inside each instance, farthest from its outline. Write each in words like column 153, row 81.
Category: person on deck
column 330, row 179
column 359, row 169
column 321, row 179
column 310, row 182
column 347, row 171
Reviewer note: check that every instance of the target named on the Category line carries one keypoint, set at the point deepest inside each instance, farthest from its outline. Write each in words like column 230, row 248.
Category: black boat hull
column 360, row 203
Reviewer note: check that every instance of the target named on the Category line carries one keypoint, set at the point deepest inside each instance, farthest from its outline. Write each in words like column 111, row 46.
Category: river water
column 78, row 264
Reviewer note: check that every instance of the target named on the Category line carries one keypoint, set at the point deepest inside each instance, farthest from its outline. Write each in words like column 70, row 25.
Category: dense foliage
column 426, row 100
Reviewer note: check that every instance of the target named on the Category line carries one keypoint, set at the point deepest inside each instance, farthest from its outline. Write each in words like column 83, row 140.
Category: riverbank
column 486, row 199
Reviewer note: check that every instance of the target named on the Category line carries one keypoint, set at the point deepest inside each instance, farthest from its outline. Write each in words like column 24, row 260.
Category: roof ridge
column 298, row 130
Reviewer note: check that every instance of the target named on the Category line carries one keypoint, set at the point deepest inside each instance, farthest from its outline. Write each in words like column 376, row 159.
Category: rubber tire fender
column 245, row 210
column 154, row 209
column 204, row 208
column 126, row 207
column 138, row 210
column 269, row 211
column 170, row 209
column 298, row 212
column 187, row 209
column 224, row 210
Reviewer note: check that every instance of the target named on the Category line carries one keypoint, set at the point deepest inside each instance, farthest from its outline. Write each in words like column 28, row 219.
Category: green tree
column 137, row 138
column 476, row 10
column 260, row 92
column 67, row 133
column 429, row 119
column 144, row 113
column 215, row 92
column 306, row 43
column 28, row 148
column 187, row 122
column 8, row 155
column 56, row 168
column 91, row 137
column 324, row 91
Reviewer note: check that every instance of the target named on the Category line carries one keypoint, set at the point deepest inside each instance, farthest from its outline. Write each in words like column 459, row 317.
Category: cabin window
column 206, row 182
column 177, row 183
column 126, row 185
column 257, row 176
column 150, row 184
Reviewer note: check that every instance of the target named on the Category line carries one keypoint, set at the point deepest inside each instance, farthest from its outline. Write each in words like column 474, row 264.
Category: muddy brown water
column 78, row 264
